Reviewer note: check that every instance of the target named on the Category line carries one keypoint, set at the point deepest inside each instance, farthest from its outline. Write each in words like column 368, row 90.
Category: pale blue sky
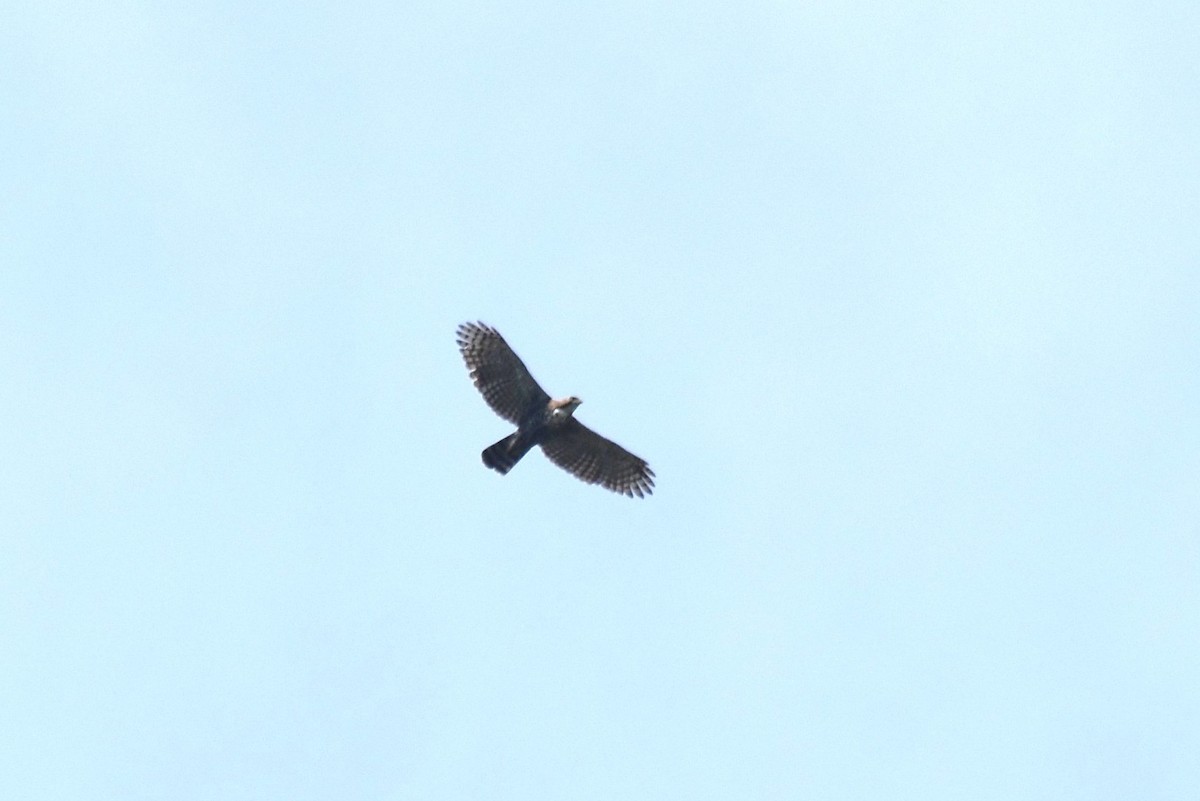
column 901, row 301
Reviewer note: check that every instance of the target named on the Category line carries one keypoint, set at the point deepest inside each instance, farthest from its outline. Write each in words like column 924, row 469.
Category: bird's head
column 566, row 406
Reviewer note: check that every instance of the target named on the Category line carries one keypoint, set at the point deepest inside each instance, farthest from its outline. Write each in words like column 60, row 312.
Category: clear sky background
column 900, row 300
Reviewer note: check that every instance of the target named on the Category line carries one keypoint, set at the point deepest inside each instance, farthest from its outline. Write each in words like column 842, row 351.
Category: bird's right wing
column 590, row 457
column 498, row 372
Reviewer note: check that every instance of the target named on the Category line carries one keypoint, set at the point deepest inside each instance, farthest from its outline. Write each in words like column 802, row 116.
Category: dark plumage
column 515, row 395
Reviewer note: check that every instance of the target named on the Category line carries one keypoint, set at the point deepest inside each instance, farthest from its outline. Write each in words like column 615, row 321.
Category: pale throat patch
column 563, row 412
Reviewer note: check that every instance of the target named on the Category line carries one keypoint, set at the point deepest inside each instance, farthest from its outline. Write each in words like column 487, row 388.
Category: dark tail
column 507, row 452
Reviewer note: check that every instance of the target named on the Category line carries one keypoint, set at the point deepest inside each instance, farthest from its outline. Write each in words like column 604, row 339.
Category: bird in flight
column 515, row 395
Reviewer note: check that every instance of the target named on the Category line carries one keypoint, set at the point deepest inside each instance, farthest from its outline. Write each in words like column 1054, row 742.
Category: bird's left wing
column 590, row 457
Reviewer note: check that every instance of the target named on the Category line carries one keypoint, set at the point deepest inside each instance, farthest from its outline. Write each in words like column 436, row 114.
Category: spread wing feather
column 590, row 457
column 499, row 374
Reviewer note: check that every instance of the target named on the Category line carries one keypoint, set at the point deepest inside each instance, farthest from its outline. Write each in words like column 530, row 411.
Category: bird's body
column 515, row 395
column 532, row 430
